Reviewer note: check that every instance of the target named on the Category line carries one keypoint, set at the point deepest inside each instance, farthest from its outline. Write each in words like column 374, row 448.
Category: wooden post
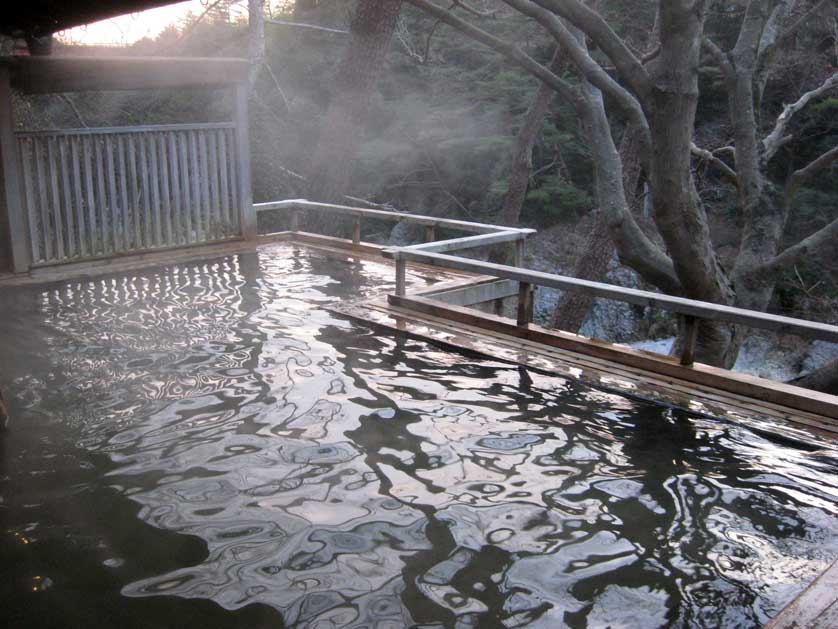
column 524, row 313
column 356, row 231
column 430, row 233
column 519, row 253
column 401, row 267
column 12, row 212
column 240, row 116
column 295, row 221
column 688, row 353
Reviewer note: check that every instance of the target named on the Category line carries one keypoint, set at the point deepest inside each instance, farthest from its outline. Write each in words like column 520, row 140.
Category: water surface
column 206, row 445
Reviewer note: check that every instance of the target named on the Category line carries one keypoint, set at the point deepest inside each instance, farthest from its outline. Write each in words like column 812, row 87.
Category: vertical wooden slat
column 235, row 217
column 63, row 144
column 113, row 202
column 215, row 201
column 136, row 194
column 145, row 209
column 123, row 192
column 102, row 198
column 155, row 188
column 196, row 186
column 225, row 186
column 43, row 199
column 183, row 139
column 246, row 212
column 206, row 205
column 171, row 143
column 165, row 195
column 90, row 202
column 27, row 149
column 16, row 218
column 78, row 195
column 55, row 198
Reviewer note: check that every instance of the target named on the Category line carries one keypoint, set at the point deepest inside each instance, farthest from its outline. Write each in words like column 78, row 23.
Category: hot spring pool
column 206, row 446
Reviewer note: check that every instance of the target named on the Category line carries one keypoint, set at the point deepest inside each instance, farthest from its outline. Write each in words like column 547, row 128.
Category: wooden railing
column 101, row 192
column 438, row 253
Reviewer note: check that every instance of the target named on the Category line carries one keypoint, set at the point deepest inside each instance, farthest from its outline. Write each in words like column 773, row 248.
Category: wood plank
column 113, row 202
column 102, row 199
column 136, row 194
column 235, row 214
column 54, row 74
column 183, row 149
column 17, row 223
column 225, row 184
column 55, row 198
column 123, row 193
column 43, row 201
column 145, row 210
column 27, row 159
column 815, row 608
column 196, row 187
column 69, row 209
column 476, row 293
column 205, row 204
column 776, row 392
column 215, row 201
column 468, row 242
column 418, row 219
column 177, row 219
column 89, row 197
column 165, row 193
column 246, row 211
column 154, row 184
column 78, row 196
column 127, row 130
column 700, row 309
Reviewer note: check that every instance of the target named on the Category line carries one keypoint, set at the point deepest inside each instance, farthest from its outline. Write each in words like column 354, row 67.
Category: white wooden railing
column 438, row 253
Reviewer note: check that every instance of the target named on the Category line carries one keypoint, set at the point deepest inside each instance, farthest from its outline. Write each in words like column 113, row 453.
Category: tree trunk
column 678, row 212
column 519, row 176
column 342, row 128
column 256, row 43
column 573, row 307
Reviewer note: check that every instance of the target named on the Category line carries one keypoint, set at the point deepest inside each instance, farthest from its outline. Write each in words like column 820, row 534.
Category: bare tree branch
column 585, row 64
column 513, row 53
column 802, row 175
column 767, row 51
column 628, row 66
column 315, row 27
column 820, row 244
column 720, row 57
column 726, row 171
column 777, row 138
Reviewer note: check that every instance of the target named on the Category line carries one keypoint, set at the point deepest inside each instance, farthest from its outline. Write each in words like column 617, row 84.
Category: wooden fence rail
column 437, row 253
column 91, row 193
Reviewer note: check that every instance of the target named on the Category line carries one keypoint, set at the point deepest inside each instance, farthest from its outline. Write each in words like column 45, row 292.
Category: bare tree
column 659, row 94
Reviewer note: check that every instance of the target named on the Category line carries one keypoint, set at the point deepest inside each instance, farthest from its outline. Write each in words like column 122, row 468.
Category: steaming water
column 205, row 445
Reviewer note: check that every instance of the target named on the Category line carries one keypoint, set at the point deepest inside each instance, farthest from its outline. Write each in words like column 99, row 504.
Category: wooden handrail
column 690, row 307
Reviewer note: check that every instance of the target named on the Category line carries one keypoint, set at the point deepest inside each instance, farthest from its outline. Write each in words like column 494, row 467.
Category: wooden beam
column 815, row 608
column 43, row 75
column 12, row 212
column 698, row 309
column 245, row 196
column 722, row 379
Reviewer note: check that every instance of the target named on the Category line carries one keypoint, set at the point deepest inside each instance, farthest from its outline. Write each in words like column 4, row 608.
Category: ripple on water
column 346, row 478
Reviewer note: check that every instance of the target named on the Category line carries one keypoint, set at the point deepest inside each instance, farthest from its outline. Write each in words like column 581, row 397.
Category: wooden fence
column 91, row 193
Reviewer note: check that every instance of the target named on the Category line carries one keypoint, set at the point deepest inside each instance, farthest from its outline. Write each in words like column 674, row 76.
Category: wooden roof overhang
column 44, row 17
column 43, row 75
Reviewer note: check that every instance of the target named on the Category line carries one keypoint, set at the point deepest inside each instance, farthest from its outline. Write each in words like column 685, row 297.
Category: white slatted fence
column 92, row 193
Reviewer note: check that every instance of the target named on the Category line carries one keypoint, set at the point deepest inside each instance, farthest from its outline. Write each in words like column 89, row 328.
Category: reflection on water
column 285, row 457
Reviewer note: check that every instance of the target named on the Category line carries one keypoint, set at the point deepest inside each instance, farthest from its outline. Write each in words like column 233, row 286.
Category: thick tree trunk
column 343, row 125
column 521, row 168
column 256, row 43
column 679, row 214
column 573, row 307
